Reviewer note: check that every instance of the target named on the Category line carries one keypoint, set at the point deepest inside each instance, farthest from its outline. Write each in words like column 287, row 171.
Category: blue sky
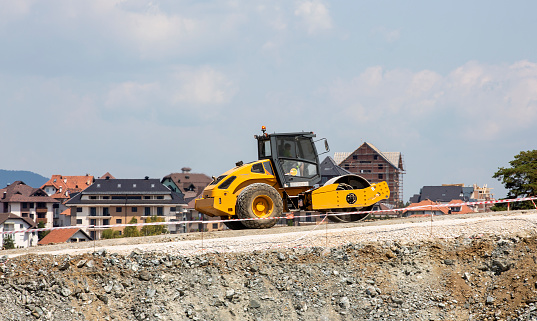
column 142, row 88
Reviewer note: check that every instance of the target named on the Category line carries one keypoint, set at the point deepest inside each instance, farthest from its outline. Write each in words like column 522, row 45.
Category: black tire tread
column 247, row 196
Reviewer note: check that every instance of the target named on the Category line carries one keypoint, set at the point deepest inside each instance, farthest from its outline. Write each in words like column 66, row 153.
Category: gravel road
column 523, row 223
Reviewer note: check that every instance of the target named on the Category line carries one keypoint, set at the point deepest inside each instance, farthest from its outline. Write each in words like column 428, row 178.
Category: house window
column 31, row 205
column 93, row 222
column 173, row 209
column 147, row 211
column 79, row 209
column 106, row 222
column 134, row 209
column 106, row 211
column 215, row 226
column 381, row 166
column 118, row 209
column 375, row 157
column 79, row 221
column 21, row 226
column 118, row 221
column 93, row 211
column 160, row 197
column 24, row 205
column 346, row 166
column 381, row 176
column 106, row 197
column 147, row 197
column 160, row 211
column 9, row 227
column 354, row 157
column 93, row 197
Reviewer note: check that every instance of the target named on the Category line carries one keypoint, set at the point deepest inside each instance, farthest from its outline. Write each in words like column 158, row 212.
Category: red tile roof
column 65, row 185
column 107, row 174
column 59, row 236
column 464, row 209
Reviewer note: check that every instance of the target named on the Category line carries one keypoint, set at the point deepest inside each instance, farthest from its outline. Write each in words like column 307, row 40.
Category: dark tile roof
column 20, row 192
column 442, row 193
column 127, row 186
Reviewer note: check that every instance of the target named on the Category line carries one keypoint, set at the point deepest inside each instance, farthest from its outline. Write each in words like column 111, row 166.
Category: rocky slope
column 473, row 277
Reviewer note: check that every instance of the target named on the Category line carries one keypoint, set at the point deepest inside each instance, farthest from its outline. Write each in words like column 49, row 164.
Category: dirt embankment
column 481, row 277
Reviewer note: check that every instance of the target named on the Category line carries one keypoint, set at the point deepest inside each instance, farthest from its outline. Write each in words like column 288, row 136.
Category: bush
column 131, row 231
column 8, row 242
column 110, row 234
column 153, row 229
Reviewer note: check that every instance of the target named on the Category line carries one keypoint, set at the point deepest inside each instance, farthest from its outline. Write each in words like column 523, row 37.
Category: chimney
column 4, row 196
column 186, row 169
column 146, row 178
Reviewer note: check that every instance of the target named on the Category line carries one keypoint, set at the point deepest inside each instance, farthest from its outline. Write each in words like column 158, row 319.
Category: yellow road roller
column 286, row 178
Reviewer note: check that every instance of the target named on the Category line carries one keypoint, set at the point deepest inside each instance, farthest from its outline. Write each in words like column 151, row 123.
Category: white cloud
column 182, row 88
column 202, row 86
column 315, row 16
column 483, row 101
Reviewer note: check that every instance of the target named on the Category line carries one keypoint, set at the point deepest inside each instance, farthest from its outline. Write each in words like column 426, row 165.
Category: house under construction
column 376, row 166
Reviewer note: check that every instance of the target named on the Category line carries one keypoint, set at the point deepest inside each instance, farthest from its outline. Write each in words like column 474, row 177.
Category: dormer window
column 134, row 185
column 118, row 185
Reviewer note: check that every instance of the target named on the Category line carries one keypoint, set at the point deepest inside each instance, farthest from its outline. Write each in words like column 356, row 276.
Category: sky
column 144, row 88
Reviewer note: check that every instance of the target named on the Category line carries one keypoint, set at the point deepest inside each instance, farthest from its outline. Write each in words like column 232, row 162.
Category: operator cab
column 293, row 156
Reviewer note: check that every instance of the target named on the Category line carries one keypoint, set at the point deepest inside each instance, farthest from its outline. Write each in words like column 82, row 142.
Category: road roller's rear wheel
column 259, row 202
column 349, row 182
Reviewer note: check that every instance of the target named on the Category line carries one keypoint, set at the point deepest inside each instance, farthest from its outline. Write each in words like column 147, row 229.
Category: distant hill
column 29, row 178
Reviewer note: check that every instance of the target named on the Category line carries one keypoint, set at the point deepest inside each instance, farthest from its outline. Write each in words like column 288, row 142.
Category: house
column 116, row 201
column 61, row 188
column 447, row 192
column 189, row 184
column 376, row 166
column 441, row 194
column 107, row 175
column 437, row 210
column 197, row 221
column 68, row 235
column 11, row 222
column 28, row 202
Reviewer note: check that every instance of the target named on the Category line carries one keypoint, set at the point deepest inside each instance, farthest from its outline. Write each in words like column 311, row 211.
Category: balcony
column 41, row 210
column 42, row 220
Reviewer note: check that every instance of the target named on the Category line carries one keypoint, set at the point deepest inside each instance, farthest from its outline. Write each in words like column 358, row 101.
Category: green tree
column 110, row 234
column 42, row 234
column 131, row 231
column 8, row 242
column 153, row 229
column 520, row 179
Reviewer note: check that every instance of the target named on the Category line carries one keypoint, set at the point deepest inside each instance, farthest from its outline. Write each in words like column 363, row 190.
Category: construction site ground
column 453, row 267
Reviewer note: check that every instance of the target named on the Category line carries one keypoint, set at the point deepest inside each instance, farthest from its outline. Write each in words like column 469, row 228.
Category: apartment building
column 116, row 201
